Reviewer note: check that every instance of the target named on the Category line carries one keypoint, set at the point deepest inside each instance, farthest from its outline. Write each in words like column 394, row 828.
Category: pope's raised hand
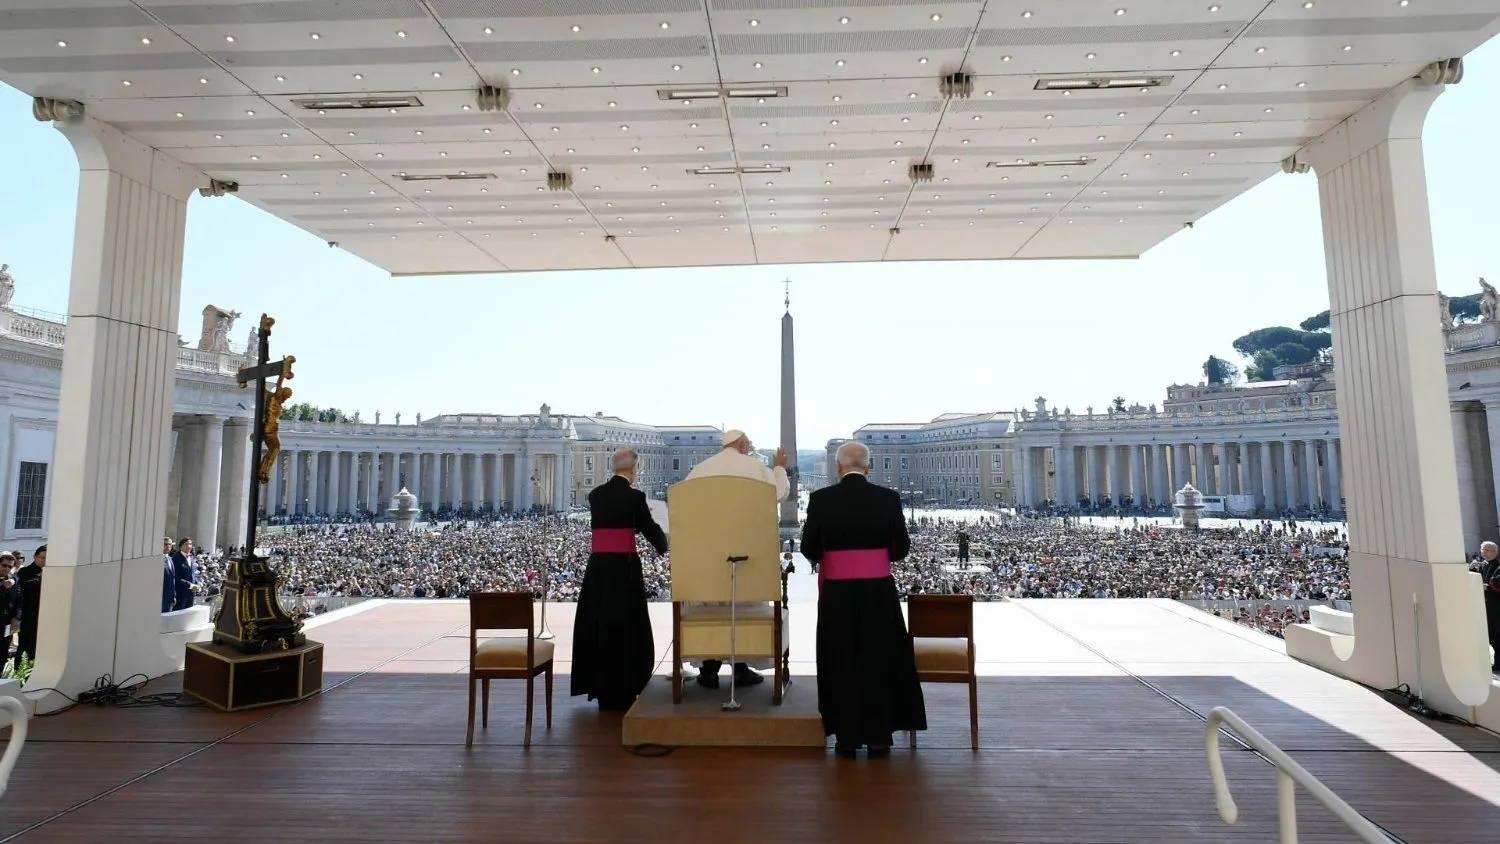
column 781, row 457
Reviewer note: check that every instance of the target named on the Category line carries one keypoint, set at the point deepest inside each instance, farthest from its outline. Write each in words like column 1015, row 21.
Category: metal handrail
column 18, row 724
column 1288, row 775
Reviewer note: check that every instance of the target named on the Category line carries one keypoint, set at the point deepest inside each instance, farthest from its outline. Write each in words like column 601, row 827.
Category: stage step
column 699, row 722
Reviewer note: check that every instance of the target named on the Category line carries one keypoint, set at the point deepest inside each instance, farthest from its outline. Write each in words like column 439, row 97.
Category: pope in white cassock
column 736, row 461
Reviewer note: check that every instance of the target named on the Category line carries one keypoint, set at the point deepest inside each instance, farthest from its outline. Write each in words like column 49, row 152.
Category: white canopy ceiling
column 834, row 99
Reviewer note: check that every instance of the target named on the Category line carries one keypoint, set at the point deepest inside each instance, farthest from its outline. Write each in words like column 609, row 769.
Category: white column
column 234, row 486
column 497, row 466
column 190, row 440
column 101, row 608
column 204, row 486
column 1468, row 484
column 564, row 480
column 1406, row 555
column 1267, row 477
column 274, row 494
column 372, row 481
column 1024, row 489
column 1335, row 486
column 1139, row 457
column 336, row 483
column 455, row 480
column 1310, row 473
column 174, row 486
column 1229, row 470
column 1202, row 460
column 315, row 483
column 435, row 481
column 1181, row 468
column 525, row 463
column 1289, row 474
column 1161, row 490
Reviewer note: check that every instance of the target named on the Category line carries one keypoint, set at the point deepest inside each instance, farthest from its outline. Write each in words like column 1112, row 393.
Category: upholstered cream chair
column 942, row 635
column 506, row 658
column 713, row 519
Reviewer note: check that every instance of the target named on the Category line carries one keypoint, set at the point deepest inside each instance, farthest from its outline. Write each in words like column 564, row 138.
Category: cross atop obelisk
column 789, row 411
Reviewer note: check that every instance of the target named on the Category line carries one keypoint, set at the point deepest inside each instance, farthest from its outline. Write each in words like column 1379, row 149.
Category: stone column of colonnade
column 1418, row 617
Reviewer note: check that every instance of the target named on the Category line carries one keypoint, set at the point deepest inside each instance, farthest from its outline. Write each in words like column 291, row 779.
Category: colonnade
column 1290, row 473
column 335, row 482
column 209, row 482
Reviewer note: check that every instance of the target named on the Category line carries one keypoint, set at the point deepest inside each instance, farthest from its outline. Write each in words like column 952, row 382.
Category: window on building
column 31, row 496
column 997, row 479
column 887, row 465
column 676, row 464
column 995, row 460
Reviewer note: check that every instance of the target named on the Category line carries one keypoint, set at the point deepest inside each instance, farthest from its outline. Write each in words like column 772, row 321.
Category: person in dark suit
column 168, row 576
column 8, row 601
column 29, row 582
column 1490, row 574
column 613, row 649
column 963, row 546
column 182, row 569
column 867, row 672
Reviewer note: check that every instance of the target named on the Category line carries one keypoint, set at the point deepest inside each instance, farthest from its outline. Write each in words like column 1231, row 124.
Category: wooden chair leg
column 529, row 682
column 911, row 739
column 469, row 741
column 549, row 695
column 974, row 712
column 484, row 717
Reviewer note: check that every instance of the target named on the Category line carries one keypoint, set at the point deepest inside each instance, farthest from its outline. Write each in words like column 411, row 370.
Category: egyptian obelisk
column 789, row 413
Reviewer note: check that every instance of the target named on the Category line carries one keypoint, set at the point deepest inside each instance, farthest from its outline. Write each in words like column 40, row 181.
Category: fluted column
column 174, row 486
column 1229, row 469
column 1310, row 472
column 372, row 482
column 525, row 465
column 275, row 494
column 335, row 482
column 1161, row 489
column 1289, row 474
column 564, row 480
column 1267, row 477
column 1139, row 457
column 1023, row 489
column 1335, row 483
column 497, row 495
column 234, row 487
column 1181, row 468
column 1202, row 462
column 205, row 488
column 434, row 481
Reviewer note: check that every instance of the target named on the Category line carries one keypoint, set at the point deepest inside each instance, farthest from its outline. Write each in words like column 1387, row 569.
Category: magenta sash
column 860, row 564
column 613, row 540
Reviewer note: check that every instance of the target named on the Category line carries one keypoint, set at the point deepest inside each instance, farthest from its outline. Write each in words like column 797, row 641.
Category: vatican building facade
column 1260, row 449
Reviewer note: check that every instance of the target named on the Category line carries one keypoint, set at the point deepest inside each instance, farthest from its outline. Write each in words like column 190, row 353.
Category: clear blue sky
column 875, row 343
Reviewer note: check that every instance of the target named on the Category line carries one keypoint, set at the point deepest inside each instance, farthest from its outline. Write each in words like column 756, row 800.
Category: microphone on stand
column 546, row 588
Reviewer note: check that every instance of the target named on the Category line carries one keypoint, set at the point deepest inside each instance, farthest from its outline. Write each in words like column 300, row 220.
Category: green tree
column 1316, row 322
column 1465, row 308
column 1293, row 353
column 1261, row 367
column 1220, row 371
column 1119, row 403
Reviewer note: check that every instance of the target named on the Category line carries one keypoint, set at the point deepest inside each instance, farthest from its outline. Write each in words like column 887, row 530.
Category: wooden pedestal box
column 229, row 680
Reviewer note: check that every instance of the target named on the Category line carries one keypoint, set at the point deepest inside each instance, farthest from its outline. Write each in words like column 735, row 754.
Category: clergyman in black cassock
column 867, row 672
column 613, row 650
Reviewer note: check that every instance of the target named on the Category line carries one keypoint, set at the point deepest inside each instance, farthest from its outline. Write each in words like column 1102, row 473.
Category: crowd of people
column 994, row 556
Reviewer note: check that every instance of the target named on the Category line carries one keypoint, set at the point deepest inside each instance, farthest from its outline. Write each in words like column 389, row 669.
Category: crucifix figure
column 250, row 618
column 788, row 301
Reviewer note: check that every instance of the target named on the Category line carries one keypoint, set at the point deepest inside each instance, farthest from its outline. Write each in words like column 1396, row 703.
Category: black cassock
column 867, row 673
column 613, row 650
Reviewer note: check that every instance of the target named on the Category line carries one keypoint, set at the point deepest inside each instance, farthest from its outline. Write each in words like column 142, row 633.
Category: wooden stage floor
column 1091, row 731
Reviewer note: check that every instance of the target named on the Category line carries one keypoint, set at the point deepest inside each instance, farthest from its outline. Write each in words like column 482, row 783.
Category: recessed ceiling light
column 280, row 78
column 537, row 105
column 229, row 38
column 911, row 95
column 1046, row 117
column 624, row 127
column 1176, row 53
column 593, row 70
column 516, row 71
column 1301, row 84
column 1216, row 8
column 218, row 137
column 62, row 43
column 1121, row 114
column 906, row 120
column 922, row 60
column 125, row 82
column 611, row 103
column 754, row 22
column 843, row 20
column 489, row 31
column 254, row 158
column 839, row 63
column 359, row 76
column 1025, row 14
column 1089, row 56
column 314, row 36
column 437, row 74
column 1119, row 11
column 145, row 40
column 836, row 97
column 249, row 113
column 975, row 117
column 1194, row 111
column 1348, row 47
column 576, row 27
column 283, row 134
column 400, row 33
column 1260, row 49
column 665, row 25
column 1168, row 136
column 1222, row 86
column 1308, row 4
column 1237, row 134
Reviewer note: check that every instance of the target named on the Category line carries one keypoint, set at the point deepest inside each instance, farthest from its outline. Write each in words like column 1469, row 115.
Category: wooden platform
column 701, row 721
column 1091, row 733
